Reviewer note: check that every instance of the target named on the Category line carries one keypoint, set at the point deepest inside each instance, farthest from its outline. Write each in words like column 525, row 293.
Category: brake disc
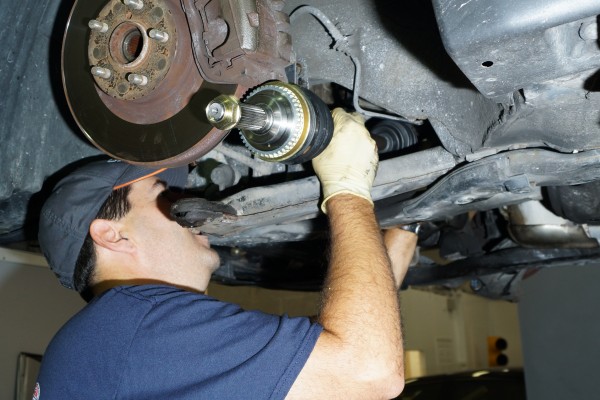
column 132, row 85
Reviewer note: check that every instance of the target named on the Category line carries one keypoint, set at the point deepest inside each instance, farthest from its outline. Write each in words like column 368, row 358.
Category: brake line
column 340, row 43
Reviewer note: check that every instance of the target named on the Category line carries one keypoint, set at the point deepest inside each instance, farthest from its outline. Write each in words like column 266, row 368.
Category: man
column 150, row 332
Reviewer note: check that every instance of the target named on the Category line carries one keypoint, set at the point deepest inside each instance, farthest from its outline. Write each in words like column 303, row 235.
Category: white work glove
column 349, row 163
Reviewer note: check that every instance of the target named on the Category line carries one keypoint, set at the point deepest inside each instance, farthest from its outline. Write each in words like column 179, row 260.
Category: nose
column 166, row 200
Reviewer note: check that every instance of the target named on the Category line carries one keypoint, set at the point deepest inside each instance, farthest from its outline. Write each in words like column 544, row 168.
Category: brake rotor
column 132, row 84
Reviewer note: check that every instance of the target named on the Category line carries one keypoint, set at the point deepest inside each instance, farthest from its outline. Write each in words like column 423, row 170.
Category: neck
column 103, row 286
column 126, row 272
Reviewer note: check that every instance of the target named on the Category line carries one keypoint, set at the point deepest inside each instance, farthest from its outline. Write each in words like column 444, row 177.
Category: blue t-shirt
column 160, row 342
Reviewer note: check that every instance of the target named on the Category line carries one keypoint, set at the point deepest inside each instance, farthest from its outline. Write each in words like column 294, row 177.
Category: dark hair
column 115, row 207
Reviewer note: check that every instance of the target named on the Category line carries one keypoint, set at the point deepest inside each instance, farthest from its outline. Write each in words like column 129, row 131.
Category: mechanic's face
column 164, row 244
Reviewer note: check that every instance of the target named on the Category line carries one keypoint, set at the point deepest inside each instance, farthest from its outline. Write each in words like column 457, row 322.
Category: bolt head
column 476, row 285
column 216, row 111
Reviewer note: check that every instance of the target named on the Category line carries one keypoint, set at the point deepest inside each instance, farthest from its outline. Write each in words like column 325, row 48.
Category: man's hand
column 349, row 163
column 359, row 353
column 400, row 245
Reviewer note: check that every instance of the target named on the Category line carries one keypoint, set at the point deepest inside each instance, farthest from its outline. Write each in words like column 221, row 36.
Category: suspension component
column 278, row 121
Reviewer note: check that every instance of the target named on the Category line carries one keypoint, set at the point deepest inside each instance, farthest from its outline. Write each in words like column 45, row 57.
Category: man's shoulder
column 123, row 308
column 111, row 321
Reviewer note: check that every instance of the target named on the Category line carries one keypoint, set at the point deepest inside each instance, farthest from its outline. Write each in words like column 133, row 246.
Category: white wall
column 452, row 329
column 33, row 306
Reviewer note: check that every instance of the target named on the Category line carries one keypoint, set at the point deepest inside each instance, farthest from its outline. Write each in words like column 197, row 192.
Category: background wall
column 271, row 301
column 33, row 306
column 449, row 329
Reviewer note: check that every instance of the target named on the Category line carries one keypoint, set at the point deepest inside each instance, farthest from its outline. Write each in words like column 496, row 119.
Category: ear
column 107, row 234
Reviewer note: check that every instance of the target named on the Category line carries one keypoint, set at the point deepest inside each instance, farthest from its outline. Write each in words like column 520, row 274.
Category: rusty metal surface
column 196, row 212
column 126, row 48
column 243, row 42
column 168, row 92
column 166, row 127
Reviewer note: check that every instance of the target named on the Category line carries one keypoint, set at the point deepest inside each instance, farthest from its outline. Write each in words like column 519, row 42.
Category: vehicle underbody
column 486, row 114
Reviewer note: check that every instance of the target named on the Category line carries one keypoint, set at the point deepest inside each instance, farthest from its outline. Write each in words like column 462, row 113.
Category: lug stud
column 100, row 72
column 137, row 79
column 98, row 26
column 159, row 36
column 134, row 4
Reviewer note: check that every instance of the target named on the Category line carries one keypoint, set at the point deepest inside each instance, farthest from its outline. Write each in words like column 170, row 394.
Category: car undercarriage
column 486, row 116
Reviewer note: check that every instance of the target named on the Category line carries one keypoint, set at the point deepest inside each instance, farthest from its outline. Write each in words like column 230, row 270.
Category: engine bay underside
column 483, row 112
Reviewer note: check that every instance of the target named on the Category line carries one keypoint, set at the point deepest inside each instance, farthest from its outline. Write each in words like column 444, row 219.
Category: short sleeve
column 193, row 346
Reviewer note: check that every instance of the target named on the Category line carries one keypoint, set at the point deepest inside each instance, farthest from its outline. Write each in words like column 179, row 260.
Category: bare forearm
column 359, row 353
column 400, row 246
column 360, row 302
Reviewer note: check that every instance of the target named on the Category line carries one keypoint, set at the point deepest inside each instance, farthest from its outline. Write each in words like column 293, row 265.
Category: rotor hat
column 76, row 200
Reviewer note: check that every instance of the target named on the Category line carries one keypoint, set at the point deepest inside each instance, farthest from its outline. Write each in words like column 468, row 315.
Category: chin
column 216, row 263
column 210, row 259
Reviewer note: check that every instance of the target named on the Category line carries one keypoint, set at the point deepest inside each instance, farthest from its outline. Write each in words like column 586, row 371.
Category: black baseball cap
column 75, row 201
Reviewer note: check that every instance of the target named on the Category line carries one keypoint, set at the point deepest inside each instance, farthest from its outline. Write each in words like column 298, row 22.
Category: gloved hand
column 349, row 163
